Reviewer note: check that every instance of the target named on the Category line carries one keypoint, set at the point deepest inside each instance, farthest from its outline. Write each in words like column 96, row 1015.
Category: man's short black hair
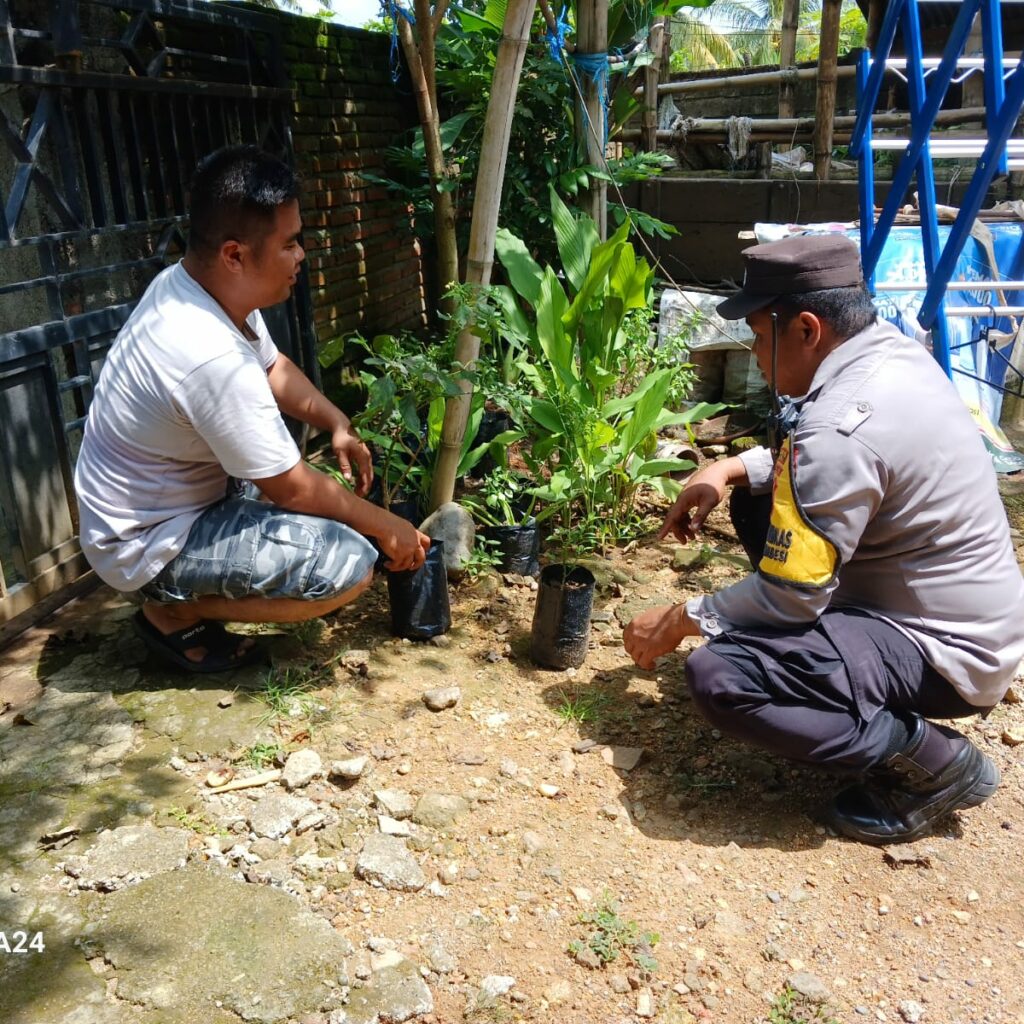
column 848, row 311
column 234, row 194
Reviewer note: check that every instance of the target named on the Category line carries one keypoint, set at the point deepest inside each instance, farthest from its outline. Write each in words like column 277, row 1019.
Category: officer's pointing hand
column 655, row 632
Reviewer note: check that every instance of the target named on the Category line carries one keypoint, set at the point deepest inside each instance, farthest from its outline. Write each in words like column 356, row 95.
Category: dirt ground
column 709, row 845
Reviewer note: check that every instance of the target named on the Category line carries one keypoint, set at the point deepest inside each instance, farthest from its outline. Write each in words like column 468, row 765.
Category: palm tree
column 736, row 33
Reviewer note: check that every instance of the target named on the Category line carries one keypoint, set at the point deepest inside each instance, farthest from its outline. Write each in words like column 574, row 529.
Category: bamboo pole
column 758, row 78
column 426, row 106
column 592, row 38
column 780, row 126
column 787, row 55
column 655, row 42
column 825, row 101
column 483, row 228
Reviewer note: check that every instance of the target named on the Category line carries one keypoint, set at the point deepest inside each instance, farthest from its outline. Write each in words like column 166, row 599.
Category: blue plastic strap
column 594, row 66
column 391, row 9
column 556, row 36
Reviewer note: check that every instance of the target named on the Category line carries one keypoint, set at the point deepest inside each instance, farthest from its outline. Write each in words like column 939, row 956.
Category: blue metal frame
column 1004, row 101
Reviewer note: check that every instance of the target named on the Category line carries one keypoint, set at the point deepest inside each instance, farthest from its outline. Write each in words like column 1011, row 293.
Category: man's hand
column 350, row 451
column 696, row 500
column 405, row 547
column 657, row 631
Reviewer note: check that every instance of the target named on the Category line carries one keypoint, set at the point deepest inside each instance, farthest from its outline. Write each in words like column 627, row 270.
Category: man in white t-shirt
column 189, row 403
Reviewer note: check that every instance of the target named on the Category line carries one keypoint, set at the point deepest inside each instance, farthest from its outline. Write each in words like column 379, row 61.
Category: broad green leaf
column 546, row 414
column 556, row 344
column 410, row 414
column 450, row 131
column 696, row 413
column 665, row 486
column 646, row 411
column 659, row 467
column 516, row 319
column 576, row 237
column 523, row 270
column 435, row 420
column 596, row 281
column 494, row 12
column 471, row 22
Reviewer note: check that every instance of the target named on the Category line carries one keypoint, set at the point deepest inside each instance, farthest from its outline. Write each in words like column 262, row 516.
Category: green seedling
column 581, row 706
column 789, row 1007
column 613, row 936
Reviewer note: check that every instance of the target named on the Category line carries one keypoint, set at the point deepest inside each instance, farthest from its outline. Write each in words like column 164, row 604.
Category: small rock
column 581, row 895
column 548, row 790
column 686, row 558
column 449, row 873
column 349, row 768
column 439, row 810
column 437, row 955
column 274, row 814
column 911, row 1011
column 583, row 746
column 385, row 861
column 567, row 764
column 644, row 1003
column 226, row 701
column 126, row 855
column 623, row 758
column 810, row 986
column 557, row 993
column 393, row 827
column 309, row 822
column 179, row 764
column 441, row 698
column 961, row 916
column 301, row 768
column 492, row 988
column 395, row 803
column 1013, row 737
column 586, row 957
column 619, row 984
column 533, row 843
column 441, row 641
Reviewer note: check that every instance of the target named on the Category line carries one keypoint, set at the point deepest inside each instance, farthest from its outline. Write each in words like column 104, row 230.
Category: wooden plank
column 825, row 101
column 29, row 605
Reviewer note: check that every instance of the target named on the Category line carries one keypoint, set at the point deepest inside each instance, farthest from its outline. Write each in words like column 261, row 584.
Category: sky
column 348, row 12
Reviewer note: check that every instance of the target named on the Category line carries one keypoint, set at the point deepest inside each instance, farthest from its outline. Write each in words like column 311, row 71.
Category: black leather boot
column 901, row 799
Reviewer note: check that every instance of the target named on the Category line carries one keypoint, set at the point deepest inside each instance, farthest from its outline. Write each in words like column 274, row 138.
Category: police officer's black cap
column 805, row 263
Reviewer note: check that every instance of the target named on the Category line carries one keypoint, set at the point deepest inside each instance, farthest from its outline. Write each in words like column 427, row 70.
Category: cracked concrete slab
column 192, row 942
column 129, row 854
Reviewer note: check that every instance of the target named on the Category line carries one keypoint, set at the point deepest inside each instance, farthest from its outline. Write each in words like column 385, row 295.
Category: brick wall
column 364, row 261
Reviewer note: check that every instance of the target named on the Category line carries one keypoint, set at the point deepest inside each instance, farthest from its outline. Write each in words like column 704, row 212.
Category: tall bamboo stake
column 825, row 102
column 655, row 42
column 787, row 56
column 483, row 228
column 592, row 38
column 419, row 55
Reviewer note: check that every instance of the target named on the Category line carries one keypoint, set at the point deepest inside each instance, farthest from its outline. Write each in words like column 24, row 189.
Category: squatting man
column 189, row 405
column 886, row 592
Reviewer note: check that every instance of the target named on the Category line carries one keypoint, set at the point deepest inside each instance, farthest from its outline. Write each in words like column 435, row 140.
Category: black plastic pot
column 561, row 618
column 403, row 504
column 419, row 600
column 518, row 546
column 492, row 423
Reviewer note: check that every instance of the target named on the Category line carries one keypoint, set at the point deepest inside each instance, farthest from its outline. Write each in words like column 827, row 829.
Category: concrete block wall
column 364, row 261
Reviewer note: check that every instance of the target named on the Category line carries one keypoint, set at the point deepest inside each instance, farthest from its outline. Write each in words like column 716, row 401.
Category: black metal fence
column 106, row 106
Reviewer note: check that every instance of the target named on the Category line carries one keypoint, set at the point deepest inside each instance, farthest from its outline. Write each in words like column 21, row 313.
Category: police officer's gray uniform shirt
column 897, row 512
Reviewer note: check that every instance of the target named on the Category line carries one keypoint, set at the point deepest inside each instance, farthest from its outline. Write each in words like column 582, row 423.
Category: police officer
column 886, row 591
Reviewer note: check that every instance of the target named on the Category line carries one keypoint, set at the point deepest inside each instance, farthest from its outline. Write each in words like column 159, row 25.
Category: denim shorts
column 245, row 548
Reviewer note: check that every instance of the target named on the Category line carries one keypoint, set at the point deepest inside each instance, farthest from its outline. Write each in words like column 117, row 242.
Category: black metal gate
column 106, row 106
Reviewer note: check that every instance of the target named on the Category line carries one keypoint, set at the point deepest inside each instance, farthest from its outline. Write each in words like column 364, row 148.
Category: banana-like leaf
column 546, row 414
column 660, row 467
column 450, row 131
column 617, row 406
column 555, row 343
column 665, row 486
column 696, row 413
column 576, row 237
column 524, row 271
column 646, row 411
column 596, row 281
column 513, row 313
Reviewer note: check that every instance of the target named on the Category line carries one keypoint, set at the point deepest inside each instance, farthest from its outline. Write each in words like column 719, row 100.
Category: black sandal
column 221, row 646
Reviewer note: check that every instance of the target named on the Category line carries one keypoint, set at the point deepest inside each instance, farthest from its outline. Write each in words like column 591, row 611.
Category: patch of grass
column 613, row 936
column 287, row 694
column 259, row 755
column 197, row 823
column 582, row 705
column 789, row 1007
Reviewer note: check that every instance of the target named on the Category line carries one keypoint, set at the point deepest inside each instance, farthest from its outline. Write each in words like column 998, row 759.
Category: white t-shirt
column 182, row 403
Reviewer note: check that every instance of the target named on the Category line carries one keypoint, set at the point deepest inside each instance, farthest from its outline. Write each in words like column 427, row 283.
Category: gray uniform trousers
column 838, row 692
